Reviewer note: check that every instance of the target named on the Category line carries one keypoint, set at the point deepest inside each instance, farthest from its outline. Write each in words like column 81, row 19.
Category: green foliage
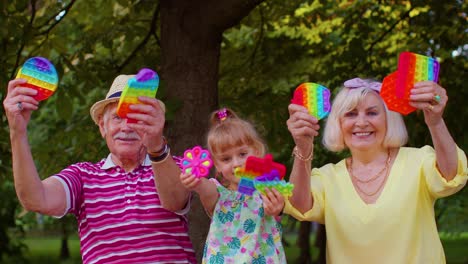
column 278, row 46
column 10, row 245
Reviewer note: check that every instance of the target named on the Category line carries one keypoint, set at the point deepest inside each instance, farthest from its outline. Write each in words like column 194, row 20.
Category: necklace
column 358, row 181
column 387, row 163
column 370, row 193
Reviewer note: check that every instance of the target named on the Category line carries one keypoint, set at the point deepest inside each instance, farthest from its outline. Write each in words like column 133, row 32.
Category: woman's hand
column 303, row 128
column 431, row 98
column 273, row 202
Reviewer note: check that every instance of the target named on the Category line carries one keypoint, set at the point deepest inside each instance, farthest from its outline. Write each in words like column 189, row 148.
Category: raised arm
column 205, row 189
column 48, row 196
column 432, row 99
column 303, row 128
column 172, row 193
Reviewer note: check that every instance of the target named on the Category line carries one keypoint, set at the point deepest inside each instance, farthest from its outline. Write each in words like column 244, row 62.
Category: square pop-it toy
column 412, row 68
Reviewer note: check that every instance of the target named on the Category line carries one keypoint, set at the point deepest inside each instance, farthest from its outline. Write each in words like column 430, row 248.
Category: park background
column 248, row 55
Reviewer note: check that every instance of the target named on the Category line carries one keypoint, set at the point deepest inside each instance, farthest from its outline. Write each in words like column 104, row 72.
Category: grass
column 47, row 249
column 455, row 247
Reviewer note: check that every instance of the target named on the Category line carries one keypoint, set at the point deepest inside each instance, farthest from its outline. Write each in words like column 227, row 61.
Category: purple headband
column 360, row 83
column 222, row 114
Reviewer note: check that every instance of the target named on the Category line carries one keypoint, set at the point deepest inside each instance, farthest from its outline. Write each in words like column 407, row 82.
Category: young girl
column 244, row 229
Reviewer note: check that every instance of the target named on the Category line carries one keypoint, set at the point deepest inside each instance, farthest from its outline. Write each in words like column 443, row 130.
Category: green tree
column 248, row 55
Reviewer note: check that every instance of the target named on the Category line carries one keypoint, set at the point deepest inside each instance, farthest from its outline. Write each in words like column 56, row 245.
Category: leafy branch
column 151, row 32
column 54, row 18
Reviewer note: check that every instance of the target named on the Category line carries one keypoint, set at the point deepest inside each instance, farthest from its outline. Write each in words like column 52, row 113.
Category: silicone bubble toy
column 261, row 173
column 145, row 83
column 412, row 68
column 41, row 75
column 272, row 180
column 258, row 166
column 315, row 97
column 389, row 95
column 196, row 161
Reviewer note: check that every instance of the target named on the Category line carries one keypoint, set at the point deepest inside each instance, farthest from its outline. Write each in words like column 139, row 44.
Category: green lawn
column 456, row 248
column 47, row 249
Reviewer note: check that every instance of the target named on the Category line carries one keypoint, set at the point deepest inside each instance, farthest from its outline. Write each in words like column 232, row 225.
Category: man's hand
column 18, row 104
column 150, row 122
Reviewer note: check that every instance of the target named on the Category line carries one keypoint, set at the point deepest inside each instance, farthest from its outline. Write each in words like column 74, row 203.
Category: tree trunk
column 64, row 249
column 321, row 244
column 303, row 242
column 191, row 35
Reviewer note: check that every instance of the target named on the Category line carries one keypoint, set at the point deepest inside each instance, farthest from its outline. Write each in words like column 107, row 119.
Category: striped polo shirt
column 120, row 217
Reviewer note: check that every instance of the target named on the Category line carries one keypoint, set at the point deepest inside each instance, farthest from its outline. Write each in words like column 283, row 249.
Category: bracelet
column 299, row 156
column 161, row 158
column 160, row 151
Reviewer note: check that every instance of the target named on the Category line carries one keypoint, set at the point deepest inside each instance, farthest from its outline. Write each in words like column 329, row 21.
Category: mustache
column 127, row 136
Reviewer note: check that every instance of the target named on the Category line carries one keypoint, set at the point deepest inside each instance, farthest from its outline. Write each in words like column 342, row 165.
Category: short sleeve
column 71, row 181
column 438, row 186
column 316, row 213
column 186, row 209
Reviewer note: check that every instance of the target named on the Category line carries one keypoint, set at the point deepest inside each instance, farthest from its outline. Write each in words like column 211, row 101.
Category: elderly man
column 119, row 211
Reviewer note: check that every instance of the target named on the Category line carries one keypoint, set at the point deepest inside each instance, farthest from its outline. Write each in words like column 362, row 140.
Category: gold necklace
column 387, row 163
column 372, row 178
column 371, row 193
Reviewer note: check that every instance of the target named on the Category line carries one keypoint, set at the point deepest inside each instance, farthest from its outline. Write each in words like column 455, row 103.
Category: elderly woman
column 378, row 204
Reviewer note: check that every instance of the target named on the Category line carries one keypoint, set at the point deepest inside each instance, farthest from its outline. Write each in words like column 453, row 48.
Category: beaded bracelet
column 299, row 156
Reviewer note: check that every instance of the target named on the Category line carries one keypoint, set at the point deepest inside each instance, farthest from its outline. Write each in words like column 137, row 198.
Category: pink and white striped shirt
column 120, row 217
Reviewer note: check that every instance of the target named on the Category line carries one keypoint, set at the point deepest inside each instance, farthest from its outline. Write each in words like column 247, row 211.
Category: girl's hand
column 189, row 181
column 303, row 128
column 273, row 202
column 431, row 98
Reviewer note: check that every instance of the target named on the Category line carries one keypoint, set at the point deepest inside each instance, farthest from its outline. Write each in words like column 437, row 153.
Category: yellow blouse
column 399, row 227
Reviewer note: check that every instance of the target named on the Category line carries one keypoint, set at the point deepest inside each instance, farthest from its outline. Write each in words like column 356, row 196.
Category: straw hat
column 113, row 95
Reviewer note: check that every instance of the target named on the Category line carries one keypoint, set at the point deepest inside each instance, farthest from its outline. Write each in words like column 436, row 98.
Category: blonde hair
column 346, row 100
column 232, row 131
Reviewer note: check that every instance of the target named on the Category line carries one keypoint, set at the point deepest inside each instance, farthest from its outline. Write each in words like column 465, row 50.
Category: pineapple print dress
column 240, row 232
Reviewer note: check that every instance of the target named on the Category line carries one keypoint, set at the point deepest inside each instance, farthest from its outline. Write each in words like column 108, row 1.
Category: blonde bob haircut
column 231, row 131
column 348, row 99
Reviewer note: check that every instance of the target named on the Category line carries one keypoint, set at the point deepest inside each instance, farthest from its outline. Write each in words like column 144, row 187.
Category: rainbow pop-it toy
column 260, row 173
column 196, row 161
column 272, row 180
column 389, row 95
column 41, row 75
column 313, row 96
column 145, row 83
column 412, row 68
